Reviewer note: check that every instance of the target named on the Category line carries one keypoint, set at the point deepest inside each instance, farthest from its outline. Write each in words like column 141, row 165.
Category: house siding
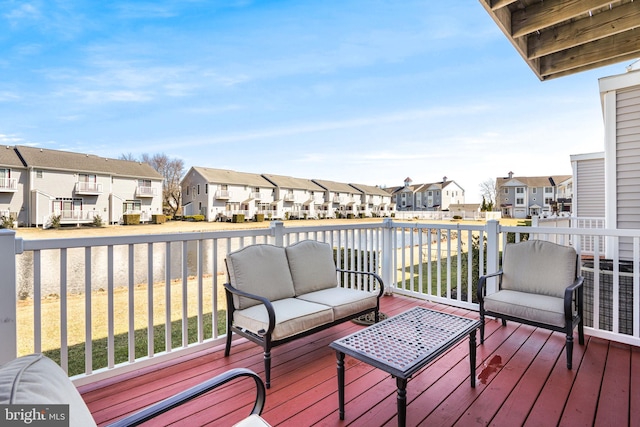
column 589, row 199
column 627, row 163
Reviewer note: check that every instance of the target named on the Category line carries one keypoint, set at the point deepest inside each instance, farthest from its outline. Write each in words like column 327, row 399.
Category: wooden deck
column 522, row 380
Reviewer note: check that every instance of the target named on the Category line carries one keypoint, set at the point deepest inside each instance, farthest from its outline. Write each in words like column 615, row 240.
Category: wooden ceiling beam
column 609, row 50
column 497, row 4
column 611, row 61
column 550, row 12
column 619, row 19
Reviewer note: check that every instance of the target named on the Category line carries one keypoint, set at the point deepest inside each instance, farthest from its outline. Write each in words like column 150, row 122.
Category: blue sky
column 360, row 91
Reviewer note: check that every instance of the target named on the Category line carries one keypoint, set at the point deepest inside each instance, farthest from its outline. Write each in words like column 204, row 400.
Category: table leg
column 402, row 401
column 472, row 356
column 340, row 359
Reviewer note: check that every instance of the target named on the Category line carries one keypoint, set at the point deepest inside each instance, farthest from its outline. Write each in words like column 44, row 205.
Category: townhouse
column 37, row 184
column 374, row 201
column 294, row 198
column 522, row 197
column 218, row 194
column 436, row 196
column 340, row 199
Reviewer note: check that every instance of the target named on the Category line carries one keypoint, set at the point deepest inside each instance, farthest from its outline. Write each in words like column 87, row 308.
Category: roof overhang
column 562, row 37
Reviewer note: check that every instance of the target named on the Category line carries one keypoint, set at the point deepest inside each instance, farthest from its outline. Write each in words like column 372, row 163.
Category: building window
column 206, row 188
column 187, row 190
column 519, row 201
column 548, row 190
column 548, row 200
column 130, row 206
column 198, row 189
column 506, row 191
column 144, row 183
column 519, row 190
column 534, row 190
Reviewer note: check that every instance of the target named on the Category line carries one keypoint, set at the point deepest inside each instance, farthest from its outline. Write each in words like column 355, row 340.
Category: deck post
column 8, row 297
column 387, row 255
column 277, row 231
column 493, row 248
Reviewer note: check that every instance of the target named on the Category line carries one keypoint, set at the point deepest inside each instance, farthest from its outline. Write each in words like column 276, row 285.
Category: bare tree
column 489, row 192
column 172, row 171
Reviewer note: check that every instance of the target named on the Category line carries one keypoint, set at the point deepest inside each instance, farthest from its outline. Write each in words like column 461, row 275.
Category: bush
column 158, row 219
column 131, row 219
column 6, row 221
column 258, row 217
column 55, row 221
column 97, row 221
column 457, row 217
column 237, row 218
column 196, row 218
column 350, row 216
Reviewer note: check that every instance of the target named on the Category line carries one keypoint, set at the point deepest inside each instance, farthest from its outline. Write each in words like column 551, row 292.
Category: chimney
column 510, row 175
column 444, row 178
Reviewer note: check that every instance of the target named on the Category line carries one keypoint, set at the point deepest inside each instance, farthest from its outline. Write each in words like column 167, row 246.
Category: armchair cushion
column 312, row 266
column 538, row 267
column 292, row 314
column 35, row 380
column 527, row 306
column 260, row 270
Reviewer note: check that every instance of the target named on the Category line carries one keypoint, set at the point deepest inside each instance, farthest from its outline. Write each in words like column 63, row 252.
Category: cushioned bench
column 38, row 380
column 276, row 294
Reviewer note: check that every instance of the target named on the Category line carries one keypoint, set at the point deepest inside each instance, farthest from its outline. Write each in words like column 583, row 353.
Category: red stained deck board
column 634, row 392
column 613, row 405
column 516, row 408
column 583, row 398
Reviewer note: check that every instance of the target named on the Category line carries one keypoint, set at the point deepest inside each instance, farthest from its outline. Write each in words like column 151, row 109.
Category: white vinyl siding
column 628, row 163
column 590, row 197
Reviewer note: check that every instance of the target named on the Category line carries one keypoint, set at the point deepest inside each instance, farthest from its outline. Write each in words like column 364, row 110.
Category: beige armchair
column 538, row 285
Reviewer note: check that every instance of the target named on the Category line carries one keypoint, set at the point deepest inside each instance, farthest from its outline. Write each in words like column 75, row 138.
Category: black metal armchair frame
column 573, row 311
column 196, row 391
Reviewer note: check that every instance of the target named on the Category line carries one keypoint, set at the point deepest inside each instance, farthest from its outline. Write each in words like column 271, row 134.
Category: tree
column 489, row 193
column 172, row 171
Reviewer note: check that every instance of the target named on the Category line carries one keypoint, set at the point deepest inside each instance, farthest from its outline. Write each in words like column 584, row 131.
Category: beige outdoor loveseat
column 278, row 294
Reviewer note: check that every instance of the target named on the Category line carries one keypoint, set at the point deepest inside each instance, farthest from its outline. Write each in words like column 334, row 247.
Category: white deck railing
column 103, row 280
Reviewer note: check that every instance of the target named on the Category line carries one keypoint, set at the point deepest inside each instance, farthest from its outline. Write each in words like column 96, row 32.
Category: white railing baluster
column 185, row 311
column 110, row 310
column 150, row 311
column 131, row 306
column 64, row 350
column 37, row 302
column 88, row 324
column 200, row 278
column 167, row 299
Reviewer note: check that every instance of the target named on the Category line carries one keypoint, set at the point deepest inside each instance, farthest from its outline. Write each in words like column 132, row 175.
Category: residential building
column 218, row 194
column 294, row 197
column 340, row 199
column 436, row 196
column 79, row 187
column 522, row 197
column 374, row 201
column 13, row 186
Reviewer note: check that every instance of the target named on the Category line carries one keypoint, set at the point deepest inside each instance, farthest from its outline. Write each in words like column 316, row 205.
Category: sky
column 355, row 91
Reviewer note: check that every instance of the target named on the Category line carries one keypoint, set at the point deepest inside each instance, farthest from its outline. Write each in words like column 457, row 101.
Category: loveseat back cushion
column 312, row 267
column 37, row 380
column 538, row 267
column 260, row 270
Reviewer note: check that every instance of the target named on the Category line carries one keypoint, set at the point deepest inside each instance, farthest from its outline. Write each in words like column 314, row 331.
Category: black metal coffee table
column 403, row 344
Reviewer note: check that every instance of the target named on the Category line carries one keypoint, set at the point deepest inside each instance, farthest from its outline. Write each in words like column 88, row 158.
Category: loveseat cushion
column 312, row 267
column 538, row 267
column 292, row 317
column 533, row 307
column 343, row 301
column 260, row 270
column 37, row 380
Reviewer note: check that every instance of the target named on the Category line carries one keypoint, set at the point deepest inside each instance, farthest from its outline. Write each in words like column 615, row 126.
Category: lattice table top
column 404, row 343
